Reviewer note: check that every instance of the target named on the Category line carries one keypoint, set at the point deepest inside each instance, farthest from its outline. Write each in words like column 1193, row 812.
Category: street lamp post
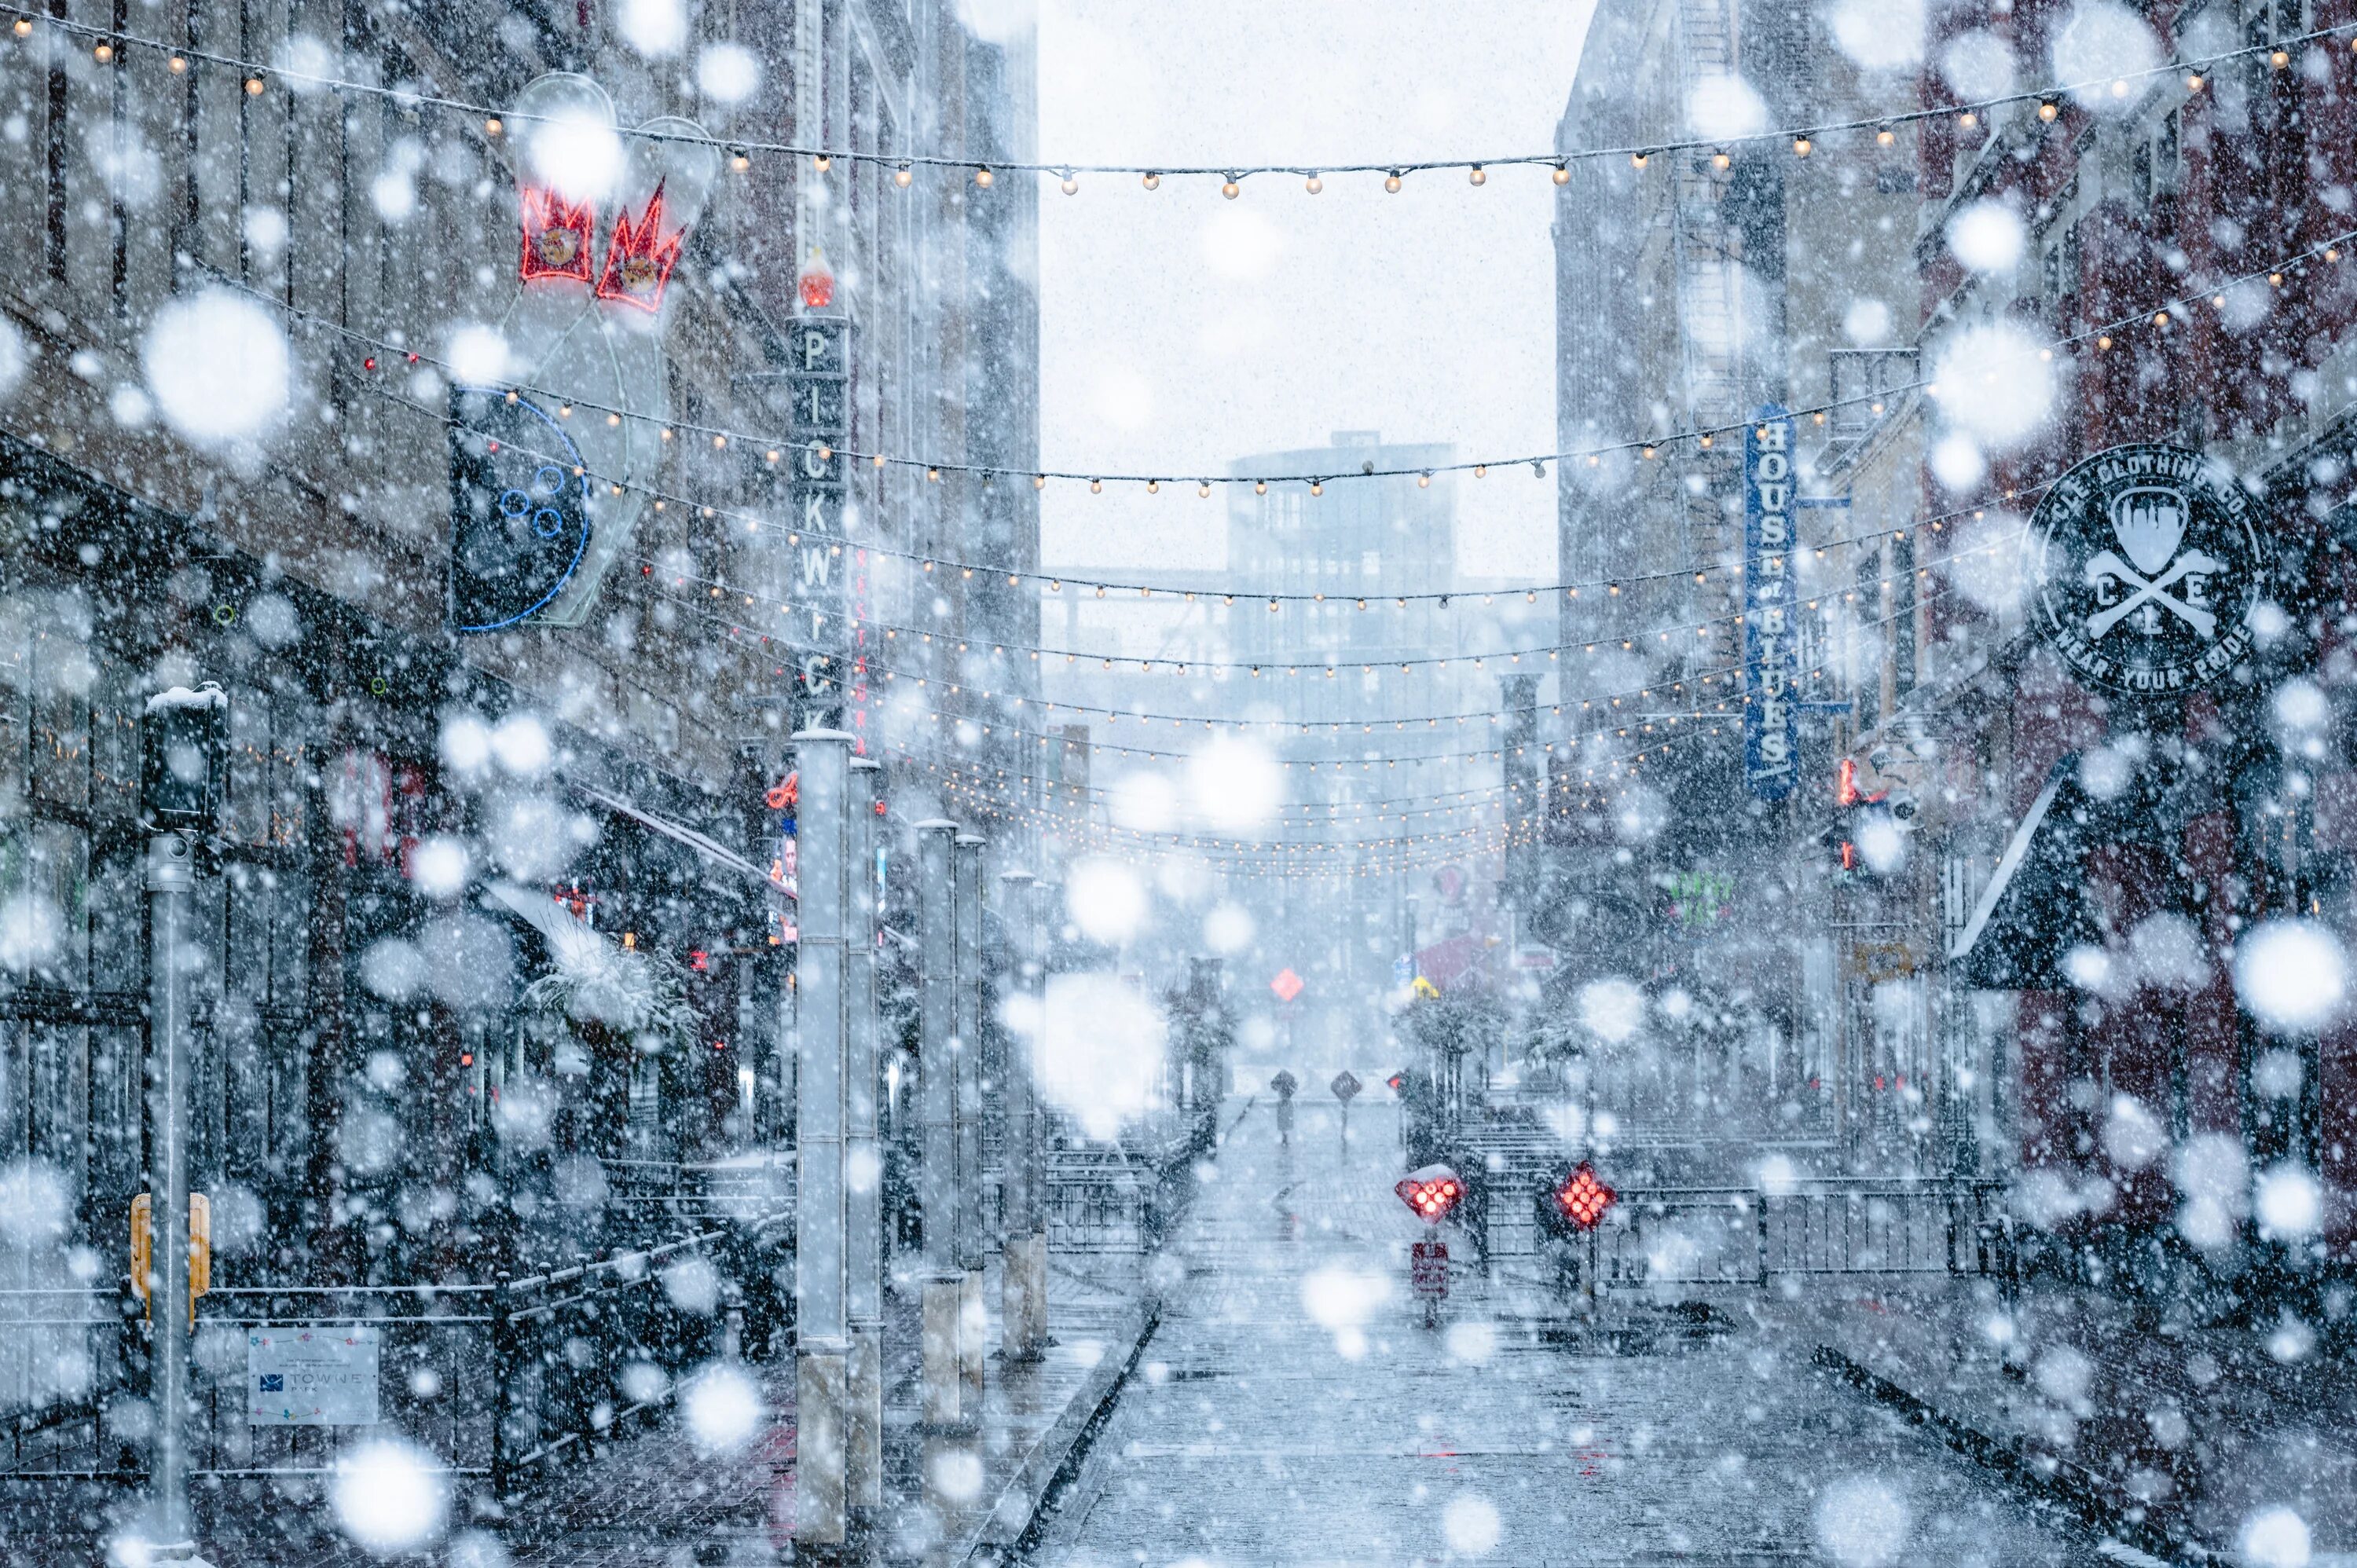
column 973, row 1318
column 937, row 1072
column 1025, row 1254
column 821, row 1329
column 183, row 742
column 863, row 1157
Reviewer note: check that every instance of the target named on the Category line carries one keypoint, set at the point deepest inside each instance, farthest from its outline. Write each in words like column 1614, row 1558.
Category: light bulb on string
column 1392, row 182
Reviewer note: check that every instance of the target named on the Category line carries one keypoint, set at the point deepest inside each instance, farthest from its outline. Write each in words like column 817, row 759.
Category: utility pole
column 183, row 742
column 937, row 1071
column 821, row 1329
column 1024, row 1268
column 864, row 1160
column 973, row 1318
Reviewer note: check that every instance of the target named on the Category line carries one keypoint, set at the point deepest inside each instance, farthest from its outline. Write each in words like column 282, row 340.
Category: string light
column 2276, row 277
column 2278, row 52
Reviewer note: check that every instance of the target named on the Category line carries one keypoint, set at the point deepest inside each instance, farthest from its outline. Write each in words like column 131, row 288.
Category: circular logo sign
column 2147, row 562
column 518, row 509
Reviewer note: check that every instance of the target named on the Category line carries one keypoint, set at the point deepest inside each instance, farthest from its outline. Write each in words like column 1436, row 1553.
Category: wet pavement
column 1292, row 1407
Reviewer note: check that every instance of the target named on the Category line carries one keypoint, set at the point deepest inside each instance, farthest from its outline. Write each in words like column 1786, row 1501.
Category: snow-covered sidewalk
column 2204, row 1434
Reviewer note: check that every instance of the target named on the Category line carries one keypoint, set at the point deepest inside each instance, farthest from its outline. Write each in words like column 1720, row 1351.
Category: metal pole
column 973, row 1316
column 864, row 1156
column 821, row 1328
column 1019, row 1216
column 1024, row 1254
column 171, row 877
column 937, row 1069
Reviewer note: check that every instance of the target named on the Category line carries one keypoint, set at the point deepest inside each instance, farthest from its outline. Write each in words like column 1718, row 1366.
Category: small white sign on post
column 324, row 1376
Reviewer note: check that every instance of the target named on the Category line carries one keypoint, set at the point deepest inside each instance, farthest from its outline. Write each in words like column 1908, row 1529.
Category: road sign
column 1345, row 1086
column 1402, row 969
column 1288, row 985
column 1427, row 1268
column 1430, row 1192
column 1424, row 987
column 1581, row 1197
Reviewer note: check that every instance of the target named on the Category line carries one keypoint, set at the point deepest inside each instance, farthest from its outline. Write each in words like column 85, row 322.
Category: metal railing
column 490, row 1378
column 1742, row 1236
column 59, row 1351
column 1103, row 1197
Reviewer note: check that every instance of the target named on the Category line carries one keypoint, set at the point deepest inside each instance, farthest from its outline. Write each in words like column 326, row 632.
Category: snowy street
column 1060, row 783
column 1291, row 1408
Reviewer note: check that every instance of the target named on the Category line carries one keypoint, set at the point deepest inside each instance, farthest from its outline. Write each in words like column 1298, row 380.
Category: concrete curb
column 2071, row 1487
column 1055, row 1452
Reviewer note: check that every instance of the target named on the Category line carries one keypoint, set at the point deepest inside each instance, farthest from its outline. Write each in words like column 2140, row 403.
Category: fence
column 1742, row 1236
column 489, row 1379
column 60, row 1349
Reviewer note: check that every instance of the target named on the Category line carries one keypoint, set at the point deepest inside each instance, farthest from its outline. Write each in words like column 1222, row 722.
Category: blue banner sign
column 1770, row 646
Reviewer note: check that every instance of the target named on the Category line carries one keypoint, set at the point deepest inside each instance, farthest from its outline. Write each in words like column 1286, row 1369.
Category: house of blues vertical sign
column 1770, row 653
column 818, row 393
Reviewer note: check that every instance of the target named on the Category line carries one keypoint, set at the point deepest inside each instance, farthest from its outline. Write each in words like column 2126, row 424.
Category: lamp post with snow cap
column 973, row 1316
column 1024, row 1264
column 184, row 745
column 863, row 1157
column 937, row 1119
column 821, row 1326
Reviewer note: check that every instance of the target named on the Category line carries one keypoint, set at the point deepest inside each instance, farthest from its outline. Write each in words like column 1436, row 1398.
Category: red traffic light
column 1583, row 1198
column 1430, row 1193
column 1396, row 1082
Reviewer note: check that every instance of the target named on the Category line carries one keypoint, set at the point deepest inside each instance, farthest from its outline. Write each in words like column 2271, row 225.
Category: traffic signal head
column 1581, row 1197
column 1396, row 1082
column 1430, row 1193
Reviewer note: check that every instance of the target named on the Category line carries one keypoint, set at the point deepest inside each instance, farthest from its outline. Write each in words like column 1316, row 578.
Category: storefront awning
column 2033, row 913
column 703, row 843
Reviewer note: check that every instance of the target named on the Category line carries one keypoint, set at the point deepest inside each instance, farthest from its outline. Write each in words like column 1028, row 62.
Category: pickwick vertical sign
column 2147, row 563
column 818, row 387
column 1770, row 653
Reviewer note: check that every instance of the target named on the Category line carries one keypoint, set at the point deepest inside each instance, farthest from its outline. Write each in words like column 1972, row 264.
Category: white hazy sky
column 1180, row 330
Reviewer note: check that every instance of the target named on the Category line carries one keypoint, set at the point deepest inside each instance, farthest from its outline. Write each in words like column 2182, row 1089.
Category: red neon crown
column 557, row 236
column 640, row 260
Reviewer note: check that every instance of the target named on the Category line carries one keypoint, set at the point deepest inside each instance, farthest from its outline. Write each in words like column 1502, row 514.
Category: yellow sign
column 1876, row 962
column 201, row 1249
column 1423, row 987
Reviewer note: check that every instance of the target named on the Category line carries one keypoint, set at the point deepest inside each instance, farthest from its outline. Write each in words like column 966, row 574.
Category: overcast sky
column 1180, row 330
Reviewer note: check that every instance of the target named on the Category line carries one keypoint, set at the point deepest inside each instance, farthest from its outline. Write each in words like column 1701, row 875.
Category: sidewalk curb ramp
column 2071, row 1487
column 1056, row 1456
